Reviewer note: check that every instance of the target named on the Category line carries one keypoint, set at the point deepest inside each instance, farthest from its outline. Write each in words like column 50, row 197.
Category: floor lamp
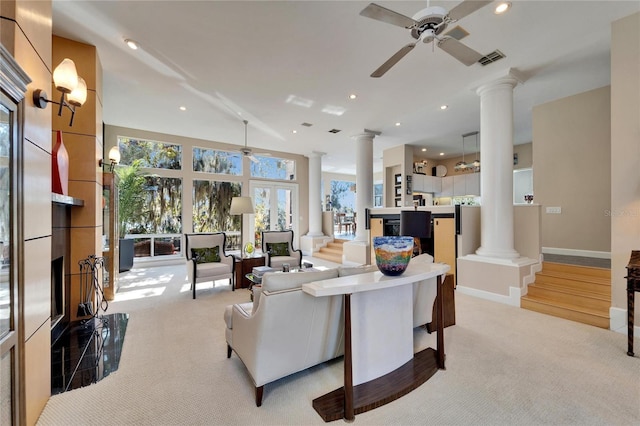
column 416, row 224
column 240, row 206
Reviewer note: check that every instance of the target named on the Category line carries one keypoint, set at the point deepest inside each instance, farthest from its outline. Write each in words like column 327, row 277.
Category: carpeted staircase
column 577, row 293
column 332, row 252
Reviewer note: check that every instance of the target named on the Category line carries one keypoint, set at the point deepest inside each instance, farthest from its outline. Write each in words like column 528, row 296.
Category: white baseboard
column 618, row 322
column 513, row 299
column 576, row 252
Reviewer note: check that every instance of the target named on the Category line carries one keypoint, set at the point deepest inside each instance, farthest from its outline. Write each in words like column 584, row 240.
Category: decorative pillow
column 278, row 249
column 206, row 255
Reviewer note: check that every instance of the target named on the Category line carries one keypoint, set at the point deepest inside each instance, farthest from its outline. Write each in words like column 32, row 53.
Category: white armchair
column 207, row 260
column 277, row 247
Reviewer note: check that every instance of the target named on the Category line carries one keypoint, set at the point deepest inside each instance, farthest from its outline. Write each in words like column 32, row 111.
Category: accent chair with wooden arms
column 207, row 260
column 277, row 247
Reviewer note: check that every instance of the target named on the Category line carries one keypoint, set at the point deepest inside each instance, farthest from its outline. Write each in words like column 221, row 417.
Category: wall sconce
column 66, row 79
column 114, row 158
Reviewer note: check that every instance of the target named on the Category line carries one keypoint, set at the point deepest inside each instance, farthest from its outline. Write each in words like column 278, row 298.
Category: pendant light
column 461, row 165
column 476, row 162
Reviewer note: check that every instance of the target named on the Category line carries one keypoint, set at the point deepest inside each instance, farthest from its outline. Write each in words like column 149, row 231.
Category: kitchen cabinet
column 473, row 184
column 444, row 242
column 424, row 183
column 376, row 229
column 446, row 188
column 467, row 184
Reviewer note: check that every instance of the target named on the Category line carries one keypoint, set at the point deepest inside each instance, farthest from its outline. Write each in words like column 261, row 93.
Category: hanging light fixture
column 463, row 165
column 476, row 162
column 67, row 81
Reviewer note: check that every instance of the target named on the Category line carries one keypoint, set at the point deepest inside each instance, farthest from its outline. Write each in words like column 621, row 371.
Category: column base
column 310, row 244
column 356, row 253
column 498, row 253
column 497, row 279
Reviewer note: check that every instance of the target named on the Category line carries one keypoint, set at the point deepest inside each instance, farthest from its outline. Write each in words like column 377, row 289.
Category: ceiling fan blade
column 393, row 60
column 252, row 158
column 383, row 14
column 461, row 52
column 465, row 8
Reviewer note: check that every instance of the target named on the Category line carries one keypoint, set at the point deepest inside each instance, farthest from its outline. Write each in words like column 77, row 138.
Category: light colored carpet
column 505, row 365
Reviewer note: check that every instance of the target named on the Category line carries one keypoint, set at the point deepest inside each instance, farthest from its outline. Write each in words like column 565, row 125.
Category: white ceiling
column 232, row 60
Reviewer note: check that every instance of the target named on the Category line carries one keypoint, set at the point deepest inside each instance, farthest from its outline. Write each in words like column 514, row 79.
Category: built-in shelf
column 65, row 199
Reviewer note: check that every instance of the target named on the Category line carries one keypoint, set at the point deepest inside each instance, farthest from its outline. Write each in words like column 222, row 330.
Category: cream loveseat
column 285, row 330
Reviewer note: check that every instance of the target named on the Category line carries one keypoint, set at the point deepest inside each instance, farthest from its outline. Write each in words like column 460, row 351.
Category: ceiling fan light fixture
column 502, row 7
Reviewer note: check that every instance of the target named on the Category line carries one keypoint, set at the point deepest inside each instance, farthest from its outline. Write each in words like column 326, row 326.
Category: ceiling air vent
column 458, row 33
column 307, row 124
column 492, row 57
column 334, row 131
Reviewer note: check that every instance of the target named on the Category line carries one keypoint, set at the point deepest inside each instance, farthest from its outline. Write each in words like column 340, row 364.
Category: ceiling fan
column 427, row 25
column 246, row 151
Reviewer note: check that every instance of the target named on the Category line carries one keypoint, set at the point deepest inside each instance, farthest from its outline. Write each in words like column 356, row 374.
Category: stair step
column 330, row 257
column 576, row 270
column 589, row 284
column 334, row 246
column 570, row 298
column 602, row 288
column 585, row 316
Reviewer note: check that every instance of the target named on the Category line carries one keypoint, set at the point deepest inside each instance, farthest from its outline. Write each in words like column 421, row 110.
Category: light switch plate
column 554, row 210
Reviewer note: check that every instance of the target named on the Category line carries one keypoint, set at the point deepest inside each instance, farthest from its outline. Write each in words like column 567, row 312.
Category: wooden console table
column 633, row 285
column 379, row 363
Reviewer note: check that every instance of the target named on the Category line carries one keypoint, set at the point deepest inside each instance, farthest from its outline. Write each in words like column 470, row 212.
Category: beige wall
column 302, row 170
column 25, row 31
column 625, row 152
column 572, row 154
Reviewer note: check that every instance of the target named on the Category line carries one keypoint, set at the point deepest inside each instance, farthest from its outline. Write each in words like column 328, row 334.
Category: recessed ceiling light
column 398, row 124
column 424, row 149
column 132, row 44
column 442, row 153
column 183, row 108
column 294, row 131
column 353, row 96
column 444, row 106
column 502, row 7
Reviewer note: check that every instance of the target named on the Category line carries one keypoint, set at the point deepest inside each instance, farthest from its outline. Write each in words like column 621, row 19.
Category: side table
column 244, row 266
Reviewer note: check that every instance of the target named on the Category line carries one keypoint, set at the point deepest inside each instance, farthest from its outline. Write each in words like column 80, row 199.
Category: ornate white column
column 496, row 174
column 364, row 181
column 315, row 197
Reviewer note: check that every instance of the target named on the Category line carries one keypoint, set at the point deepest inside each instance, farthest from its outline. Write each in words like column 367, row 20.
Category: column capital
column 511, row 77
column 367, row 134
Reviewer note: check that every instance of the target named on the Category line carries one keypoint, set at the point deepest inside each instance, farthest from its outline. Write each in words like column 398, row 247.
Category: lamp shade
column 114, row 155
column 241, row 205
column 79, row 94
column 414, row 223
column 65, row 76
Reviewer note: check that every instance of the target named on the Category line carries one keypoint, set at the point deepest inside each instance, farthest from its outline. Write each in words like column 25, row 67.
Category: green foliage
column 132, row 203
column 338, row 188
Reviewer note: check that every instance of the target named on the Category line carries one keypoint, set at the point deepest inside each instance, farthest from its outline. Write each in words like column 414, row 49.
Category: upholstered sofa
column 285, row 330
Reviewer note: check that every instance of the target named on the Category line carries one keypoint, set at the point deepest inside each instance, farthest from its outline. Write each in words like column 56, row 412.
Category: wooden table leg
column 349, row 414
column 440, row 324
column 630, row 308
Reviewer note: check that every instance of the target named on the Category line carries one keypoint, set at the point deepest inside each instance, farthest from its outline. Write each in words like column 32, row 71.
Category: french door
column 9, row 297
column 276, row 207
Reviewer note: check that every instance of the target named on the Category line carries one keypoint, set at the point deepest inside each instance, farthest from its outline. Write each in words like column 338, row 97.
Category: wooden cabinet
column 244, row 266
column 376, row 229
column 424, row 183
column 444, row 242
column 110, row 249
